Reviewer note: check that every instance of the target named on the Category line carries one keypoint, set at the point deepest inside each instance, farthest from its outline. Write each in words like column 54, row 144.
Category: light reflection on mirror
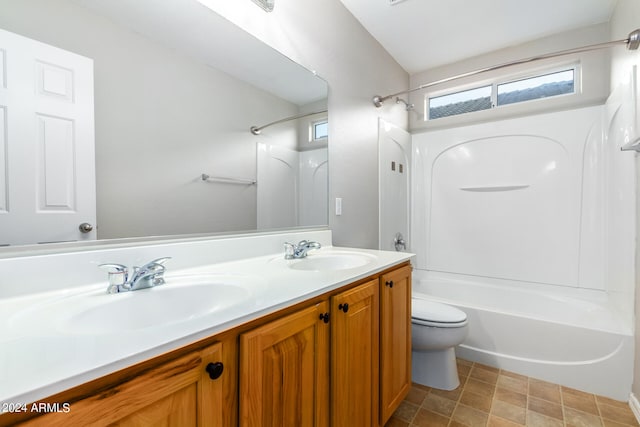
column 176, row 89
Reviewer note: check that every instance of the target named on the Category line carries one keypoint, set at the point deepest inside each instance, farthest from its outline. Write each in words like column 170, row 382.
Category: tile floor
column 492, row 397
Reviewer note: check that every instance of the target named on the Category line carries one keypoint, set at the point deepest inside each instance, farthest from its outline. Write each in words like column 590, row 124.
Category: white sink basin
column 180, row 299
column 157, row 306
column 333, row 261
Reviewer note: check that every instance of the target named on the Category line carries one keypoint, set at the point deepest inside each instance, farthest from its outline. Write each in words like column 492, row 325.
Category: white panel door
column 277, row 174
column 47, row 160
column 394, row 157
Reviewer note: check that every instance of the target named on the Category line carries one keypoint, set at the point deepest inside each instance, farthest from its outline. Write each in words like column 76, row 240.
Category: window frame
column 505, row 79
column 312, row 130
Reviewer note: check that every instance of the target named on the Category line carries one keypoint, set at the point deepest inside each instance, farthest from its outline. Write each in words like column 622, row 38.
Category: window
column 460, row 102
column 553, row 84
column 503, row 93
column 319, row 130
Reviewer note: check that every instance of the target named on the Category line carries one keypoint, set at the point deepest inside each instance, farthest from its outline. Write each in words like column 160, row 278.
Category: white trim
column 635, row 406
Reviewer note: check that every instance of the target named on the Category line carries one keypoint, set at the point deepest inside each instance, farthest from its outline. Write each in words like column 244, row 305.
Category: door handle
column 85, row 227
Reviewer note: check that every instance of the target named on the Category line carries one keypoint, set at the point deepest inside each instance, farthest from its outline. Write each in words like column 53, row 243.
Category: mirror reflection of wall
column 165, row 113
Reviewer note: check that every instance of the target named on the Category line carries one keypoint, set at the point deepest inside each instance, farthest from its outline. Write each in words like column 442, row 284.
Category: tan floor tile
column 514, row 375
column 579, row 400
column 439, row 404
column 448, row 394
column 469, row 416
column 426, row 418
column 576, row 418
column 481, row 373
column 619, row 414
column 544, row 407
column 416, row 395
column 612, row 402
column 481, row 402
column 421, row 387
column 406, row 411
column 396, row 422
column 463, row 370
column 500, row 422
column 544, row 390
column 516, row 384
column 609, row 423
column 491, row 397
column 487, row 367
column 479, row 387
column 516, row 414
column 509, row 396
column 535, row 419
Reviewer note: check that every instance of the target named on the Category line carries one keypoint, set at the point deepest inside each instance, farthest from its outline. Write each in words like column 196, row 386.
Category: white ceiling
column 423, row 34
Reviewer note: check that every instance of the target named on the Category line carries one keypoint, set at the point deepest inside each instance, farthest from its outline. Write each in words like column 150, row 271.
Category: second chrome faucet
column 293, row 251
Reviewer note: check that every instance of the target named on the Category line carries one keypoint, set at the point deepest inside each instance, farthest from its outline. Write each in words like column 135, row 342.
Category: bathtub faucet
column 293, row 251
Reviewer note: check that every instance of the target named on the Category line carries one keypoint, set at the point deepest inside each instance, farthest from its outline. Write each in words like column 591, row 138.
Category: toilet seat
column 435, row 314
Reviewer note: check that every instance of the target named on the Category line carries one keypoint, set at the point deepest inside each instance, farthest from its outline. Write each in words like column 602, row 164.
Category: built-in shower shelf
column 491, row 188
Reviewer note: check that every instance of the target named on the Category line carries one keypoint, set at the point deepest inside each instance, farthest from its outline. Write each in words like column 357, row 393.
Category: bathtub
column 569, row 336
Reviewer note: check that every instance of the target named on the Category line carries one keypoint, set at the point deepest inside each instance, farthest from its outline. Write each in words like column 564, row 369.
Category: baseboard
column 635, row 406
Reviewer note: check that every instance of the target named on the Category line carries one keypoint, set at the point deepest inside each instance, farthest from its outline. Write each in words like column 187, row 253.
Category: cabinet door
column 354, row 356
column 395, row 340
column 177, row 393
column 284, row 371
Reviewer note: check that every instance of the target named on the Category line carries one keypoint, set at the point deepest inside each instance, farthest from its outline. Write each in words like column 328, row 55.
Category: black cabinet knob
column 389, row 283
column 215, row 370
column 324, row 317
column 344, row 307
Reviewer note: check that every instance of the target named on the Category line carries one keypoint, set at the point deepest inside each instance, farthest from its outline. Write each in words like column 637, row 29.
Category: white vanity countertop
column 42, row 354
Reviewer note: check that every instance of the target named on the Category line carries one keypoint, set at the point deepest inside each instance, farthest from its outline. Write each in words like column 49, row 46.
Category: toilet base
column 436, row 369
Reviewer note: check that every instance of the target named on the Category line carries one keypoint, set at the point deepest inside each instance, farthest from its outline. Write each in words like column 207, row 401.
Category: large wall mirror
column 141, row 110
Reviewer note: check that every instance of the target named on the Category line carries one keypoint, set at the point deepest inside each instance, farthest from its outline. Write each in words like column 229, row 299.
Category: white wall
column 325, row 37
column 151, row 148
column 625, row 18
column 594, row 82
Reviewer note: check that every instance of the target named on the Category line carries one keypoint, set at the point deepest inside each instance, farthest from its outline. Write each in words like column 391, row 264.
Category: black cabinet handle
column 389, row 283
column 214, row 370
column 344, row 307
column 324, row 317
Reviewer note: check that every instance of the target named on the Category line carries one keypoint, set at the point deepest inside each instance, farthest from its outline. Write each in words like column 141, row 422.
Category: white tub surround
column 528, row 224
column 563, row 335
column 43, row 352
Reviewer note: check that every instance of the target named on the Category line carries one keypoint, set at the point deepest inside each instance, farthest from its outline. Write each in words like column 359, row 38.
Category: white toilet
column 436, row 329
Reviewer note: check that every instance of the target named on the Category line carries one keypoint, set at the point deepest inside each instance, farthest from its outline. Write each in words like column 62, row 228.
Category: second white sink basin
column 332, row 261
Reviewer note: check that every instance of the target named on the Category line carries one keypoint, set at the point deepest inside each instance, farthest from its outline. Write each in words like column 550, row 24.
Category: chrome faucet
column 147, row 276
column 293, row 251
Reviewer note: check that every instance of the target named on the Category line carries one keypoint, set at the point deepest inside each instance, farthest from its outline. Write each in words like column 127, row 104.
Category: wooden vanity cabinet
column 287, row 366
column 395, row 340
column 338, row 359
column 187, row 391
column 354, row 356
column 284, row 371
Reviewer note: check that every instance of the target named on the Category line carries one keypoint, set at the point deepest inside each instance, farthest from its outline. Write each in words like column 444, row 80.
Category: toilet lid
column 431, row 311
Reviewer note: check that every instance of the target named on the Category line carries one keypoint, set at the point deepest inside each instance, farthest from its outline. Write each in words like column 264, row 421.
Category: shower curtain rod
column 256, row 129
column 632, row 42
